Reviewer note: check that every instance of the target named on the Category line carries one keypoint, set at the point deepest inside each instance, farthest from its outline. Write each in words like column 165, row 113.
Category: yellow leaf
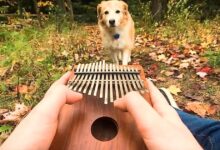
column 39, row 59
column 161, row 57
column 3, row 71
column 174, row 89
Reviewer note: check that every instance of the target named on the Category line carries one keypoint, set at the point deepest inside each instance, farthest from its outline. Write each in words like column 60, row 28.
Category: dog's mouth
column 112, row 26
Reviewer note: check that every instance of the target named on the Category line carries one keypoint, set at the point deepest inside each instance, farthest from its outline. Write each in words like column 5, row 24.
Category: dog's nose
column 112, row 22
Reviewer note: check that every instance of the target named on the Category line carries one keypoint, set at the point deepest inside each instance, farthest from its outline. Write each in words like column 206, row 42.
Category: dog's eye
column 106, row 12
column 117, row 11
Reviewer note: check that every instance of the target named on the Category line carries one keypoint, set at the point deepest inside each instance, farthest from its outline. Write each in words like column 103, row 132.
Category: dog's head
column 112, row 13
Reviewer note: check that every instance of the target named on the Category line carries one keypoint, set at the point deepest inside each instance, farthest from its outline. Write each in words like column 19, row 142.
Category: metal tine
column 90, row 77
column 120, row 84
column 72, row 81
column 136, row 79
column 111, row 87
column 106, row 85
column 132, row 79
column 98, row 78
column 123, row 79
column 78, row 76
column 86, row 76
column 81, row 78
column 116, row 82
column 127, row 79
column 139, row 79
column 94, row 78
column 102, row 81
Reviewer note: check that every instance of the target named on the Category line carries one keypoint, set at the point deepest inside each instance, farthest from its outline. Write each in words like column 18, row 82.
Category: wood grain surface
column 75, row 122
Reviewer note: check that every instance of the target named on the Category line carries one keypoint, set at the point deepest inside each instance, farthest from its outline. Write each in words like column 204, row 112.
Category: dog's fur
column 118, row 38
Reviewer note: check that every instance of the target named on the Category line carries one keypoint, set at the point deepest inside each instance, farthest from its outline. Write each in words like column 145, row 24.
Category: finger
column 72, row 97
column 144, row 115
column 120, row 104
column 64, row 79
column 161, row 105
column 56, row 98
column 158, row 100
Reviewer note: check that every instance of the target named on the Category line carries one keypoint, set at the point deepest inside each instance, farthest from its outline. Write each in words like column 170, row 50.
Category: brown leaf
column 23, row 89
column 161, row 79
column 201, row 109
column 191, row 95
column 17, row 114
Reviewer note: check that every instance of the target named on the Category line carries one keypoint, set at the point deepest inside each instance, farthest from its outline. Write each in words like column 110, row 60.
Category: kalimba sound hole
column 104, row 128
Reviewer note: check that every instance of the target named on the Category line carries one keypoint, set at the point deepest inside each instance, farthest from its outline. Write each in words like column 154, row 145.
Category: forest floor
column 182, row 56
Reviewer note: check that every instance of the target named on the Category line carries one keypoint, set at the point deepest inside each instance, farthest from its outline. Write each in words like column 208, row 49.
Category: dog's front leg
column 115, row 57
column 126, row 57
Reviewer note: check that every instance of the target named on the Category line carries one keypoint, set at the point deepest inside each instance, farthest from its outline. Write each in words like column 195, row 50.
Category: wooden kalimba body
column 94, row 123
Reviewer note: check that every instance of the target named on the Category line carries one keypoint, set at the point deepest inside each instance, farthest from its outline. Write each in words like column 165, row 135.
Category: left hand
column 37, row 130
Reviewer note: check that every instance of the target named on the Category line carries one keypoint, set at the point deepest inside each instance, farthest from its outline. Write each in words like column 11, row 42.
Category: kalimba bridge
column 107, row 81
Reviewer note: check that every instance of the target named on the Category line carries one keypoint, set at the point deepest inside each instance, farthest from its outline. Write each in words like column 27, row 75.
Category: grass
column 36, row 57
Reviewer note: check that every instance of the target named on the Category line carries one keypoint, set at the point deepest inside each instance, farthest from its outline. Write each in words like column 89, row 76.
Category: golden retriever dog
column 117, row 29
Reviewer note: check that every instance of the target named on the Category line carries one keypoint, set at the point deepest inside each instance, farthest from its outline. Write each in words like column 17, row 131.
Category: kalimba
column 94, row 123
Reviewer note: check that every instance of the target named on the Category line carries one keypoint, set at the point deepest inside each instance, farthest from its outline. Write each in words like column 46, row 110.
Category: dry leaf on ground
column 16, row 115
column 201, row 109
column 202, row 74
column 23, row 89
column 174, row 89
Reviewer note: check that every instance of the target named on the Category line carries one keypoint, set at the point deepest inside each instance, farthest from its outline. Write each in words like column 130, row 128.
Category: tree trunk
column 158, row 9
column 37, row 10
column 20, row 9
column 60, row 14
column 61, row 6
column 70, row 9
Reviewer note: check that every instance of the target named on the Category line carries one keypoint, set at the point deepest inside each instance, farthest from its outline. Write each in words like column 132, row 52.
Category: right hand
column 159, row 124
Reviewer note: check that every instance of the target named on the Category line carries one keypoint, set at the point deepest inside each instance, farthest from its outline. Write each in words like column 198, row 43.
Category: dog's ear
column 125, row 6
column 99, row 10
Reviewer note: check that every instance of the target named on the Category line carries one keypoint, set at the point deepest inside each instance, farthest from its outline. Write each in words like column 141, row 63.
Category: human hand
column 159, row 124
column 38, row 129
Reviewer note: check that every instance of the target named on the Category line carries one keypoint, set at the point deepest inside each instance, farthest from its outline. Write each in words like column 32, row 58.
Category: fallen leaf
column 23, row 89
column 40, row 59
column 168, row 73
column 14, row 116
column 161, row 79
column 180, row 76
column 152, row 70
column 174, row 89
column 161, row 57
column 65, row 53
column 201, row 109
column 207, row 70
column 3, row 71
column 153, row 55
column 184, row 65
column 192, row 95
column 202, row 74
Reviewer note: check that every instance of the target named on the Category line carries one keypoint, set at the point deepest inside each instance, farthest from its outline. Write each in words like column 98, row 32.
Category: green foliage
column 213, row 57
column 34, row 57
column 6, row 129
column 184, row 9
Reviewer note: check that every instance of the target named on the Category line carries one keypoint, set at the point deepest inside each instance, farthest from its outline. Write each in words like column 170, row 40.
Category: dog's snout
column 112, row 22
